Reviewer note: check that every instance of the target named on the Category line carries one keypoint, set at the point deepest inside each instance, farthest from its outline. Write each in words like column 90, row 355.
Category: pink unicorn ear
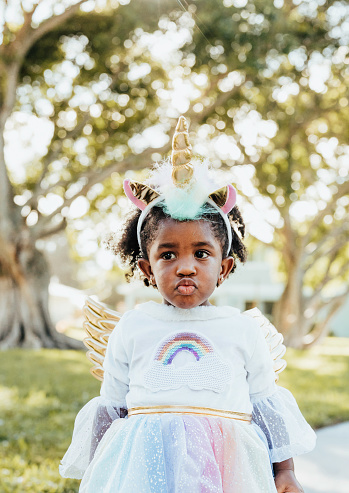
column 141, row 195
column 225, row 198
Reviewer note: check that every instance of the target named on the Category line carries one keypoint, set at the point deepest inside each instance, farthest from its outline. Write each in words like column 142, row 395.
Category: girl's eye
column 201, row 254
column 168, row 255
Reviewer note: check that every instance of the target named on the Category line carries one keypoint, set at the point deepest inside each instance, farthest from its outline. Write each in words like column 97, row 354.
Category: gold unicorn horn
column 182, row 170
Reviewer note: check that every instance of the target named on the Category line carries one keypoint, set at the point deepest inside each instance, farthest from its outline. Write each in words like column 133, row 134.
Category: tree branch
column 9, row 96
column 7, row 101
column 11, row 49
column 55, row 229
column 221, row 99
column 15, row 52
column 97, row 176
column 293, row 251
column 327, row 277
column 342, row 190
column 51, row 156
column 332, row 233
column 321, row 329
column 316, row 296
column 333, row 250
column 33, row 34
column 6, row 196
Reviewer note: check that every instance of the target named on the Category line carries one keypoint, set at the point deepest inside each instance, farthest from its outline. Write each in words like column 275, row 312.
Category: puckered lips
column 186, row 286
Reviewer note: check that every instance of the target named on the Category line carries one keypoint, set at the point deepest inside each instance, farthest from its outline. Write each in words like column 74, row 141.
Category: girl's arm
column 114, row 389
column 95, row 418
column 285, row 479
column 101, row 423
column 277, row 415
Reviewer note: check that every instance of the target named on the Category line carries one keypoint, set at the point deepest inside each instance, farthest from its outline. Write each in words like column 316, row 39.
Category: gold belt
column 202, row 411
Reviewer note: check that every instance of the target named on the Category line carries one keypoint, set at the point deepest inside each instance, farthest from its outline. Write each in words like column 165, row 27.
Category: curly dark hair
column 127, row 249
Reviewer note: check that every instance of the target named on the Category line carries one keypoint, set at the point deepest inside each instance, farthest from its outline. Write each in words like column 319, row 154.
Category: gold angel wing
column 99, row 324
column 274, row 340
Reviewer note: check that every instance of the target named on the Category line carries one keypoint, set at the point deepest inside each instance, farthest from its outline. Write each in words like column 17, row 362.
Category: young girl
column 189, row 402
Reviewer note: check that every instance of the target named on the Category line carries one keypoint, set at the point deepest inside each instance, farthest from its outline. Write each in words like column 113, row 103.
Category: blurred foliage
column 268, row 91
column 93, row 54
column 42, row 391
column 258, row 60
column 275, row 51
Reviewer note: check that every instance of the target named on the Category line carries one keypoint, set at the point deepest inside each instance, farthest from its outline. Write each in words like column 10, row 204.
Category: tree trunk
column 288, row 313
column 299, row 331
column 289, row 319
column 24, row 315
column 24, row 278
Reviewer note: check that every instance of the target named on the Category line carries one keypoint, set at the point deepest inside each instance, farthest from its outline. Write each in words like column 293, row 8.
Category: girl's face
column 185, row 262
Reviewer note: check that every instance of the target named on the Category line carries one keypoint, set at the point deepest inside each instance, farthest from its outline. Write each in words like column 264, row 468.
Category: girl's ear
column 145, row 267
column 226, row 267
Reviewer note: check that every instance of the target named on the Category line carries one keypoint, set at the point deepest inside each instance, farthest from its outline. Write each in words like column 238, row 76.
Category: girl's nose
column 186, row 268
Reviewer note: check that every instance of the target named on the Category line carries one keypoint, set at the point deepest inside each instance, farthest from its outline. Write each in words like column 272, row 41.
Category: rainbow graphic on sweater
column 207, row 370
column 185, row 341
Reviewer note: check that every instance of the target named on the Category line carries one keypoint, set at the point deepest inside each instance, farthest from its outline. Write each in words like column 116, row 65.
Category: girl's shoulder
column 135, row 318
column 153, row 314
column 129, row 318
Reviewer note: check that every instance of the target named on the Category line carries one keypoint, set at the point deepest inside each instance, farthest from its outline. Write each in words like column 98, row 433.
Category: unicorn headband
column 185, row 190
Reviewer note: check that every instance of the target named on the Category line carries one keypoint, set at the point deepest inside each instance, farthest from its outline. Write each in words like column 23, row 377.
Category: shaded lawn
column 40, row 394
column 318, row 379
column 42, row 391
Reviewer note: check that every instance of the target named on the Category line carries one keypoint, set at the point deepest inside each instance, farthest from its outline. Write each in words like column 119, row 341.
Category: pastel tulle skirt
column 172, row 453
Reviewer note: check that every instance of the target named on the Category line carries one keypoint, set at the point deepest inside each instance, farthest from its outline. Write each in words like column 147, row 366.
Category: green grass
column 42, row 391
column 40, row 395
column 318, row 379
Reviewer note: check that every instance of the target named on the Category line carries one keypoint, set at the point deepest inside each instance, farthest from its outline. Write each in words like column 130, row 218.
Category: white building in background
column 251, row 285
column 65, row 306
